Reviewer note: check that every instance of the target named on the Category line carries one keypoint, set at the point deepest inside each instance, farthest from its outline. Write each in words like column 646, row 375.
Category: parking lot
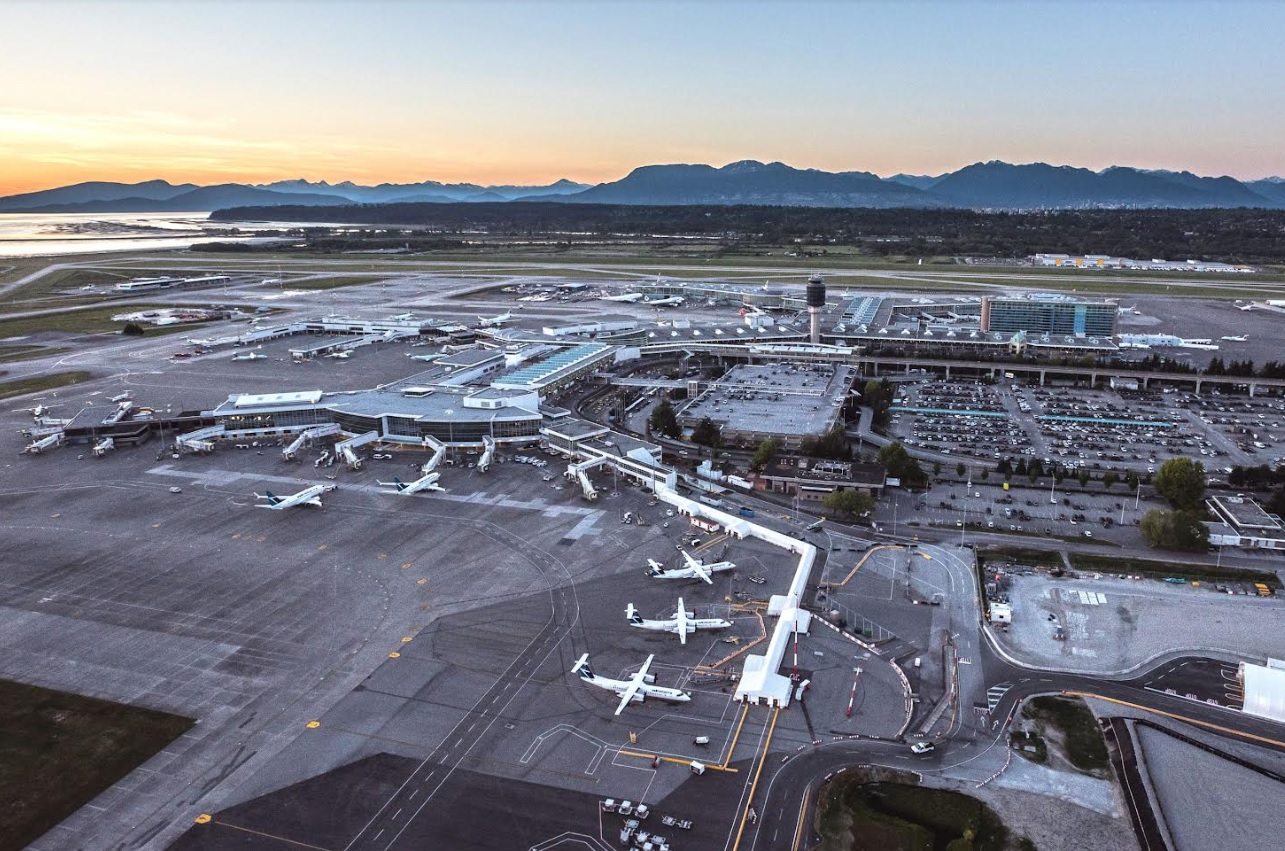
column 1114, row 624
column 1100, row 430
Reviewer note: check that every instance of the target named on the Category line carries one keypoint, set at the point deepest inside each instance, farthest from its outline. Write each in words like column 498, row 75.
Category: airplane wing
column 702, row 574
column 681, row 617
column 692, row 561
column 635, row 683
column 316, row 500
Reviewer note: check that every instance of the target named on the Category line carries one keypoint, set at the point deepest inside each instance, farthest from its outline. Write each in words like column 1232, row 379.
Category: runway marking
column 727, row 758
column 798, row 829
column 767, row 744
column 268, row 835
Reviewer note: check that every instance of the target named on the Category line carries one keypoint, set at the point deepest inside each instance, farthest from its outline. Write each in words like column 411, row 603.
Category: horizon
column 333, row 182
column 527, row 93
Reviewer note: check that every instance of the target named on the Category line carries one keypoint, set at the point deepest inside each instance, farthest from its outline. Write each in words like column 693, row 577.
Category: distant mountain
column 988, row 186
column 1272, row 188
column 919, row 181
column 78, row 193
column 429, row 190
column 749, row 182
column 999, row 185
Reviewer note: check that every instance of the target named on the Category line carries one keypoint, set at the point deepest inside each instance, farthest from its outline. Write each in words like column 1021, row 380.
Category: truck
column 746, row 512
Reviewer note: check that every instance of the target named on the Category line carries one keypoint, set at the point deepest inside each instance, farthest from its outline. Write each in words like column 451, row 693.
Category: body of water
column 53, row 234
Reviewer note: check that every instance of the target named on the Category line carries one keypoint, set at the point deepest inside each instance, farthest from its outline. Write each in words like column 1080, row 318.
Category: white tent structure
column 1264, row 689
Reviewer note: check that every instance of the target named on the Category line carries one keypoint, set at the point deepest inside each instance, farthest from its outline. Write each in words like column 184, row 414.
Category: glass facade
column 1008, row 316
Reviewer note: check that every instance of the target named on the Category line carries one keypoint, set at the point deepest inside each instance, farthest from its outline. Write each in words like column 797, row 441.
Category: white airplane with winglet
column 682, row 623
column 423, row 483
column 495, row 321
column 695, row 569
column 636, row 689
column 307, row 496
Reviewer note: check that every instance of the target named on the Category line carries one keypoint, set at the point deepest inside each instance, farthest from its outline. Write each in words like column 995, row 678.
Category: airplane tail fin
column 632, row 614
column 582, row 668
column 271, row 497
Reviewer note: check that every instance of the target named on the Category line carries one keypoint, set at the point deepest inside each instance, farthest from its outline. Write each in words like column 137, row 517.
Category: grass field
column 59, row 750
column 1071, row 721
column 335, row 282
column 17, row 353
column 23, row 386
column 857, row 815
column 1149, row 567
column 92, row 320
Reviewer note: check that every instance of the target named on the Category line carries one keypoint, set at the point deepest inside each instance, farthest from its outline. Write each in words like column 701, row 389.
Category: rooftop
column 789, row 399
column 1245, row 514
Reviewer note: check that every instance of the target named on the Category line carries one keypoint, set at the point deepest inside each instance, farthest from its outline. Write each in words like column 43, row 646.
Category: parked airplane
column 249, row 356
column 682, row 623
column 307, row 496
column 695, row 569
column 424, row 483
column 636, row 689
column 1237, row 338
column 495, row 321
column 36, row 412
column 340, row 355
column 668, row 301
column 629, row 297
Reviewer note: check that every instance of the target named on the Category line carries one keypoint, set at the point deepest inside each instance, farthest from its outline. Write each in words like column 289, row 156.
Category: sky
column 530, row 92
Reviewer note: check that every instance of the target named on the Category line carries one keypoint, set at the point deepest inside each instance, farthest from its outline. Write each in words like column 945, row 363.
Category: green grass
column 58, row 751
column 856, row 815
column 23, row 386
column 1081, row 736
column 1020, row 555
column 1184, row 570
column 91, row 320
column 17, row 353
column 334, row 282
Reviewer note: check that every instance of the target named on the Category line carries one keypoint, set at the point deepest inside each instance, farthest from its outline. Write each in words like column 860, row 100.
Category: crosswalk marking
column 1092, row 598
column 995, row 694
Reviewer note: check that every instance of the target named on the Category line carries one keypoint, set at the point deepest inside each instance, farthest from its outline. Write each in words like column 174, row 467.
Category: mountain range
column 990, row 186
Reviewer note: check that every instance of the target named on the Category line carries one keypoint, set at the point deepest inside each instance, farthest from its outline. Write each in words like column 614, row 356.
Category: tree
column 1182, row 482
column 897, row 461
column 936, row 468
column 1175, row 530
column 663, row 421
column 707, row 433
column 1083, row 477
column 1035, row 470
column 878, row 396
column 833, row 444
column 1109, row 479
column 132, row 329
column 1131, row 480
column 959, row 469
column 765, row 454
column 853, row 503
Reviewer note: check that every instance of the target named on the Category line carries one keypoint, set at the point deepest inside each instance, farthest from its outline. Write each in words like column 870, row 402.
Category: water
column 52, row 234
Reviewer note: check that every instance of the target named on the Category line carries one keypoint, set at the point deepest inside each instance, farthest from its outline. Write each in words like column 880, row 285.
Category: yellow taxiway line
column 1206, row 724
column 754, row 784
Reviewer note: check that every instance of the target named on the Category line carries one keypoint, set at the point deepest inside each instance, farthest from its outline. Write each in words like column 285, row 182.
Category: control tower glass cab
column 815, row 302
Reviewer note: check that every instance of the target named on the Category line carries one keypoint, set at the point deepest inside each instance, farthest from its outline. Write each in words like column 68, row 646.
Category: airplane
column 636, row 689
column 36, row 412
column 1237, row 338
column 695, row 569
column 249, row 356
column 681, row 623
column 424, row 483
column 341, row 355
column 307, row 496
column 629, row 297
column 495, row 321
column 668, row 301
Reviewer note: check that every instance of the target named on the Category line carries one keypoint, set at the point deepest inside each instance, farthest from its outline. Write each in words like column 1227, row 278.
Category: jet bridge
column 201, row 440
column 306, row 437
column 580, row 472
column 344, row 448
column 484, row 463
column 439, row 451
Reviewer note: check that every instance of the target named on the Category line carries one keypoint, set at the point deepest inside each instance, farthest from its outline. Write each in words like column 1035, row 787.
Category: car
column 923, row 747
column 1088, row 534
column 176, row 489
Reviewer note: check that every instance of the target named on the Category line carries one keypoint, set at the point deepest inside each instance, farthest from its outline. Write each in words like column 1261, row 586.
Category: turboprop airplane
column 668, row 301
column 495, row 321
column 1237, row 338
column 629, row 297
column 636, row 689
column 682, row 623
column 424, row 483
column 307, row 496
column 37, row 412
column 249, row 356
column 695, row 569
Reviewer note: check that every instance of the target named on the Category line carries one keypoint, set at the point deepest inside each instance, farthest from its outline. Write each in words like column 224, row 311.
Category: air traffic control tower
column 816, row 301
